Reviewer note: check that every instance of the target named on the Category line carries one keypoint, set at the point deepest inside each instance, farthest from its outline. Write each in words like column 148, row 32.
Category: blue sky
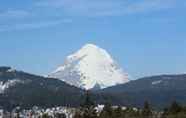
column 146, row 37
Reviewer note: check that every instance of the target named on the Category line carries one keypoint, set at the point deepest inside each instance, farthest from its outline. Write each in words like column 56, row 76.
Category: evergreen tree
column 87, row 108
column 175, row 108
column 118, row 112
column 60, row 115
column 165, row 113
column 146, row 112
column 107, row 111
column 90, row 113
column 45, row 115
column 174, row 111
column 88, row 102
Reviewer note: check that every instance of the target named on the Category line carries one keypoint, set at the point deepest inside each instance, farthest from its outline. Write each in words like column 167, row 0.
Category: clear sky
column 146, row 37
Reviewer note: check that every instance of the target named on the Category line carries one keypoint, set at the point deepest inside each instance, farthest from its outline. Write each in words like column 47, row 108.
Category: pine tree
column 60, row 115
column 87, row 108
column 107, row 111
column 175, row 108
column 165, row 113
column 118, row 112
column 45, row 115
column 88, row 102
column 146, row 112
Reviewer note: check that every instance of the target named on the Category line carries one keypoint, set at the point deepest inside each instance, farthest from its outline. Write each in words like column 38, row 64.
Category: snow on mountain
column 9, row 83
column 90, row 66
column 156, row 82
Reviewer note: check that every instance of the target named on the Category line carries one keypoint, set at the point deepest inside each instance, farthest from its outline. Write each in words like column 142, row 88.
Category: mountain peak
column 90, row 66
column 90, row 45
column 91, row 52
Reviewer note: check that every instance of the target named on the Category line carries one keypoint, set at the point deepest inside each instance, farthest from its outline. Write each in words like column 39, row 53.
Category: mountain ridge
column 36, row 90
column 33, row 90
column 159, row 90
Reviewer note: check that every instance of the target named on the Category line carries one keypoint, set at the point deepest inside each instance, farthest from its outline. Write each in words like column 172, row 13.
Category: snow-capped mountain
column 90, row 67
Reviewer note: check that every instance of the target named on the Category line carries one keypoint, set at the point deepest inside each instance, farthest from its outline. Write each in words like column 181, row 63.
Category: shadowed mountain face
column 159, row 90
column 27, row 90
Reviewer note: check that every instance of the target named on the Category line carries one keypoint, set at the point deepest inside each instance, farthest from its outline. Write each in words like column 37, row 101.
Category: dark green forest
column 87, row 110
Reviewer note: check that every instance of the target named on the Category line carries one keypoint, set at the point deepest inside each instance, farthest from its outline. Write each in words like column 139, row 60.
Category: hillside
column 158, row 90
column 18, row 88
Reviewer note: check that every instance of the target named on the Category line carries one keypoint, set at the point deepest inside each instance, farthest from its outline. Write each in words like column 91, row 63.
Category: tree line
column 87, row 110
